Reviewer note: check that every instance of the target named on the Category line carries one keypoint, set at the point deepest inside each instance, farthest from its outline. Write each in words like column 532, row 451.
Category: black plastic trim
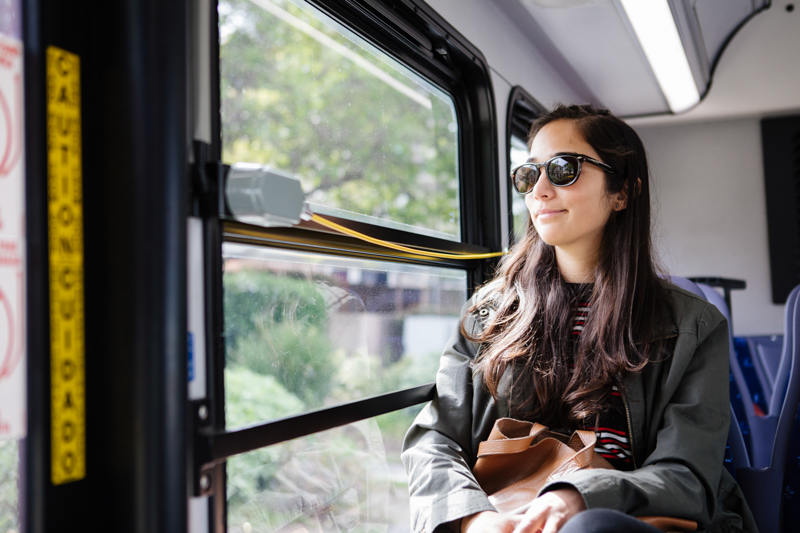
column 726, row 284
column 401, row 34
column 222, row 445
column 35, row 462
column 216, row 101
column 311, row 240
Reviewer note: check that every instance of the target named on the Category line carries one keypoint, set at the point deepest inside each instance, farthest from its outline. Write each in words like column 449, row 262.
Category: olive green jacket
column 678, row 411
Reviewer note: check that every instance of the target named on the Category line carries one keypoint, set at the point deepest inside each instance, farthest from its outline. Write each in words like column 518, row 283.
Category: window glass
column 518, row 154
column 369, row 139
column 305, row 331
column 9, row 485
column 346, row 479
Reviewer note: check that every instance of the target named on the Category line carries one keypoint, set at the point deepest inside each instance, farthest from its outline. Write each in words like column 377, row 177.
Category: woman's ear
column 621, row 202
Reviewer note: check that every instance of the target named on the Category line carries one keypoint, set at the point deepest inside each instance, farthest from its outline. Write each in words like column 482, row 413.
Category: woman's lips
column 548, row 213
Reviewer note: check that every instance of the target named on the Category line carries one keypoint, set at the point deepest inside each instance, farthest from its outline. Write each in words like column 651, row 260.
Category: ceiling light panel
column 655, row 28
column 596, row 40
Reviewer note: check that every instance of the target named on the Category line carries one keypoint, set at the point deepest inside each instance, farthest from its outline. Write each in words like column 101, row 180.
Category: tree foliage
column 355, row 141
column 276, row 325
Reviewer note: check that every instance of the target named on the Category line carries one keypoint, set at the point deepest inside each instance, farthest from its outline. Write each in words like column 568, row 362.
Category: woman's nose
column 543, row 188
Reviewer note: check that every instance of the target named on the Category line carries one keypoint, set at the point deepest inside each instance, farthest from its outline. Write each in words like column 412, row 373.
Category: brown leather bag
column 520, row 458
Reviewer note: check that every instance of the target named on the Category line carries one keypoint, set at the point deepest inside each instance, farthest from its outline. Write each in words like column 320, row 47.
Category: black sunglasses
column 562, row 170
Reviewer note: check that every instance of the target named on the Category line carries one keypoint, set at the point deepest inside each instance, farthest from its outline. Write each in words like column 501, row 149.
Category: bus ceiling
column 636, row 58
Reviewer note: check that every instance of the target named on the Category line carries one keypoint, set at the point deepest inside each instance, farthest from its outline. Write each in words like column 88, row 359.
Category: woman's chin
column 551, row 237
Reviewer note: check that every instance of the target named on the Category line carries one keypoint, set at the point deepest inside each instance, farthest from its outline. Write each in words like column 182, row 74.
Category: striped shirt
column 613, row 440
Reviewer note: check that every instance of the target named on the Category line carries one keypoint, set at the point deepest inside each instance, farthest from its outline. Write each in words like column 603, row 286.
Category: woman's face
column 570, row 218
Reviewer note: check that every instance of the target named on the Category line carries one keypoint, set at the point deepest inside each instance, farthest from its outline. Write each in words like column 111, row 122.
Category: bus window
column 522, row 110
column 303, row 331
column 9, row 485
column 349, row 477
column 331, row 344
column 517, row 155
column 369, row 139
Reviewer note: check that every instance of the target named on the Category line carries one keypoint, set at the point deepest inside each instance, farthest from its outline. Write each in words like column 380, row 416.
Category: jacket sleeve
column 440, row 447
column 687, row 427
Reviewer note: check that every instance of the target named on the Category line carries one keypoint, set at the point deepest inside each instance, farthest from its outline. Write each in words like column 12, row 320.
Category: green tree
column 355, row 142
column 276, row 325
column 249, row 397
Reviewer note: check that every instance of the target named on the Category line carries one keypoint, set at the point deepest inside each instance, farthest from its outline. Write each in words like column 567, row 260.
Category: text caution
column 65, row 212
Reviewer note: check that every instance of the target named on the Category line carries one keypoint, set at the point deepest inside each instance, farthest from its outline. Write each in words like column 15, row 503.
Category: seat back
column 770, row 434
column 686, row 285
column 716, row 298
column 764, row 487
column 784, row 368
column 766, row 352
column 791, row 478
column 768, row 490
column 740, row 384
column 736, row 446
column 788, row 410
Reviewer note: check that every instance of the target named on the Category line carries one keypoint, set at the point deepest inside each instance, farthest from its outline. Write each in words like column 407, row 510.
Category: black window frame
column 521, row 111
column 419, row 38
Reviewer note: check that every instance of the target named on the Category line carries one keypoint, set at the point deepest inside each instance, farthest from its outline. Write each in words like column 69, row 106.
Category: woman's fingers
column 512, row 524
column 550, row 511
column 554, row 523
column 534, row 519
column 491, row 522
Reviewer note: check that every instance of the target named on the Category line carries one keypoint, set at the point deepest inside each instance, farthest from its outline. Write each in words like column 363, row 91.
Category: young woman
column 577, row 331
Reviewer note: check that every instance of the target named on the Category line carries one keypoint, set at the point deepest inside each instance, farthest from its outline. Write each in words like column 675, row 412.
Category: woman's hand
column 546, row 514
column 550, row 511
column 490, row 522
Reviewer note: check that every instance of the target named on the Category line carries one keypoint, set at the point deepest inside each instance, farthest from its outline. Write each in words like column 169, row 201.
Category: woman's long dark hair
column 530, row 332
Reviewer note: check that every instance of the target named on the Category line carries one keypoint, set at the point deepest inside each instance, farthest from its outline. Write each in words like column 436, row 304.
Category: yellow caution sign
column 65, row 214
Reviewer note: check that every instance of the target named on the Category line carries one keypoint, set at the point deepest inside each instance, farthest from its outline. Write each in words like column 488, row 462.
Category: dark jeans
column 606, row 521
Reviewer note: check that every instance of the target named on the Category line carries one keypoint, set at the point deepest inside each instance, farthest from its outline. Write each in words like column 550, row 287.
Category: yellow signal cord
column 347, row 231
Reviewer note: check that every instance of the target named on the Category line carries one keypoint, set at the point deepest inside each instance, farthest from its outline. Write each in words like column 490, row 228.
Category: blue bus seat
column 736, row 454
column 762, row 487
column 787, row 419
column 791, row 481
column 686, row 285
column 768, row 488
column 766, row 351
column 716, row 298
column 763, row 436
column 736, row 457
column 784, row 367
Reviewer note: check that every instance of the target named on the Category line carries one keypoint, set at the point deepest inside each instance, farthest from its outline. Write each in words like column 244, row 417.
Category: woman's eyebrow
column 531, row 159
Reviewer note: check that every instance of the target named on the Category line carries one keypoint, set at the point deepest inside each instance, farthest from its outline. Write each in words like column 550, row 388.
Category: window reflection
column 345, row 479
column 305, row 331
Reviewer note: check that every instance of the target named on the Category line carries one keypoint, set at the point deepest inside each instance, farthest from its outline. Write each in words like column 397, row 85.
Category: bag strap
column 515, row 436
column 583, row 442
column 510, row 436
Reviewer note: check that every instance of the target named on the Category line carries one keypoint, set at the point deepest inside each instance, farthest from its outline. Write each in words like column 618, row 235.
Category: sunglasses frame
column 538, row 169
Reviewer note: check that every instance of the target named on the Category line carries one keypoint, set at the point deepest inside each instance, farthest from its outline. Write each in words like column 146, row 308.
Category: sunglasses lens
column 562, row 170
column 524, row 178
